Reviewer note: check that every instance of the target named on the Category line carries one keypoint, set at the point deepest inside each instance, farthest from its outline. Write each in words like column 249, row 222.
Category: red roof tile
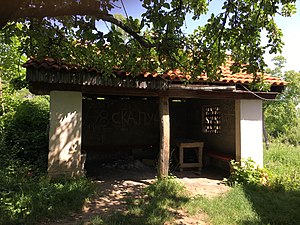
column 226, row 75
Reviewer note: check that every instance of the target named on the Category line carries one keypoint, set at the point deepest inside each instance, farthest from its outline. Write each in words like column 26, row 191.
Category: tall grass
column 283, row 162
column 28, row 200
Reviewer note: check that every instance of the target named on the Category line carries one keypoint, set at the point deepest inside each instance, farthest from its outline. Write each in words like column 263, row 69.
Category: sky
column 291, row 30
column 290, row 27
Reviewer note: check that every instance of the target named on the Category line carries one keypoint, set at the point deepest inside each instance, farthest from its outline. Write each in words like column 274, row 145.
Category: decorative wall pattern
column 212, row 119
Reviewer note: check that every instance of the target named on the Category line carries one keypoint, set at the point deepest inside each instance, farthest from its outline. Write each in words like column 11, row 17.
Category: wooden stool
column 190, row 146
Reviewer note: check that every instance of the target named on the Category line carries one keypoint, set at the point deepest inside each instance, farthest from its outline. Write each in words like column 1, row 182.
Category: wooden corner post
column 163, row 164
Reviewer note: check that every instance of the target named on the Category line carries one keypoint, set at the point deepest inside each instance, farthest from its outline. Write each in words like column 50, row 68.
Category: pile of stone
column 128, row 163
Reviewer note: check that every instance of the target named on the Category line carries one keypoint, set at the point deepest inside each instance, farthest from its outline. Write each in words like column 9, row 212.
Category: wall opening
column 120, row 132
column 124, row 131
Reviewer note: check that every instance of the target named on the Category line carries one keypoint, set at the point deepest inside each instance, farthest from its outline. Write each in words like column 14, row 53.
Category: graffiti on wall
column 124, row 118
column 120, row 122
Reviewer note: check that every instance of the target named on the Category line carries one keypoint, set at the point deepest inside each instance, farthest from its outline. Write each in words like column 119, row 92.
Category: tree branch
column 7, row 9
column 79, row 9
column 127, row 29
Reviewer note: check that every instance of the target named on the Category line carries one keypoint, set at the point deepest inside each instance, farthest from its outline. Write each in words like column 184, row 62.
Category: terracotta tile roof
column 176, row 75
column 228, row 76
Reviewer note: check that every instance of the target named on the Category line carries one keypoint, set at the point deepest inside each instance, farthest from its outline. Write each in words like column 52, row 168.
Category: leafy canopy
column 68, row 30
column 282, row 117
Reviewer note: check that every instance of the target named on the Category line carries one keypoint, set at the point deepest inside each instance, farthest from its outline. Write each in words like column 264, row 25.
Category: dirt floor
column 118, row 184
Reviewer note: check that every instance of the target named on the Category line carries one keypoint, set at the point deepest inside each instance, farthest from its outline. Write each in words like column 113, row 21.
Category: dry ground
column 116, row 185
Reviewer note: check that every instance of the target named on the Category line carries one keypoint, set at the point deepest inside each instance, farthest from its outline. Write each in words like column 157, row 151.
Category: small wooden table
column 183, row 146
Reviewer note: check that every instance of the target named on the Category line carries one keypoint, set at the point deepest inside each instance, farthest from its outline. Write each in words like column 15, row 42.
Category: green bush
column 282, row 118
column 292, row 136
column 24, row 134
column 27, row 197
column 247, row 172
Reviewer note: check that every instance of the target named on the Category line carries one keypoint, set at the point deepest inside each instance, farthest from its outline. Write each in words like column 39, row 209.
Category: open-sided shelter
column 147, row 114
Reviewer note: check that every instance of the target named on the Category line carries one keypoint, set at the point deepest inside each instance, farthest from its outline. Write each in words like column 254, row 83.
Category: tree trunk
column 163, row 164
column 266, row 139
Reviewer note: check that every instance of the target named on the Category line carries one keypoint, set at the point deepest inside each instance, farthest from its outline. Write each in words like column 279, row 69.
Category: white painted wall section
column 249, row 136
column 65, row 133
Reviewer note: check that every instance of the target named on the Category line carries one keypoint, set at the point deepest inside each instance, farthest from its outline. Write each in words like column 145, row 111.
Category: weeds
column 27, row 200
column 284, row 163
column 247, row 172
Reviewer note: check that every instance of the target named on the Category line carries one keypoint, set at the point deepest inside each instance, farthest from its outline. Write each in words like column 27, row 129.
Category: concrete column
column 65, row 134
column 249, row 136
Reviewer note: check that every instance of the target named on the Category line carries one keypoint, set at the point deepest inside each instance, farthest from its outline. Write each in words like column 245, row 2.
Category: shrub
column 247, row 172
column 282, row 117
column 24, row 134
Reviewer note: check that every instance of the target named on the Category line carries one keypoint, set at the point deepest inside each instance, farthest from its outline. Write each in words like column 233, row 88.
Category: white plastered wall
column 65, row 133
column 249, row 141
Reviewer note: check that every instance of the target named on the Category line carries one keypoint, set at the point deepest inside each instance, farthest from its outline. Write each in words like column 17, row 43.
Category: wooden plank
column 45, row 88
column 191, row 165
column 219, row 156
column 191, row 145
column 200, row 156
column 180, row 157
column 163, row 165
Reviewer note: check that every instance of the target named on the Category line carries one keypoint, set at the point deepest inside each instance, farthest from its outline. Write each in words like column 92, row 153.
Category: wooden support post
column 163, row 165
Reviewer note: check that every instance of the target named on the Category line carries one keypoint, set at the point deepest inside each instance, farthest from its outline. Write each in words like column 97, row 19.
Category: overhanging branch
column 127, row 29
column 80, row 10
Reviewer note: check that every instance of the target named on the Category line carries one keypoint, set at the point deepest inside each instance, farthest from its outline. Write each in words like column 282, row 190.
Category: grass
column 283, row 161
column 278, row 203
column 250, row 205
column 247, row 204
column 161, row 201
column 28, row 200
column 229, row 209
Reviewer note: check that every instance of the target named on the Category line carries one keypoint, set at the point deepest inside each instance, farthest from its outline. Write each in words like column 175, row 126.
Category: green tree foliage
column 279, row 62
column 69, row 31
column 26, row 197
column 23, row 117
column 282, row 117
column 24, row 134
column 12, row 75
column 11, row 59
